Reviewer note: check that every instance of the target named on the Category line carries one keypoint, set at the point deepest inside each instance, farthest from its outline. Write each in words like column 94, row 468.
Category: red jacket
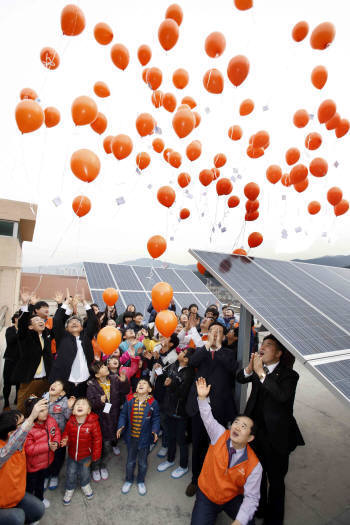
column 85, row 439
column 38, row 453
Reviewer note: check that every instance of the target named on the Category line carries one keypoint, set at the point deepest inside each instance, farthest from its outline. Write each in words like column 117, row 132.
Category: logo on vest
column 241, row 471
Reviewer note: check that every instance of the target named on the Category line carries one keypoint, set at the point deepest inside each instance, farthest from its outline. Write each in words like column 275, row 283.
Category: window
column 6, row 228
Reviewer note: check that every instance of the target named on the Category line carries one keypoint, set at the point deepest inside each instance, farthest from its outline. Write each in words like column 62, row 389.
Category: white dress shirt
column 270, row 368
column 79, row 371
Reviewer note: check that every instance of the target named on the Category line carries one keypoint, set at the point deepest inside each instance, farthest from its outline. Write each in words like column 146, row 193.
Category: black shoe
column 191, row 489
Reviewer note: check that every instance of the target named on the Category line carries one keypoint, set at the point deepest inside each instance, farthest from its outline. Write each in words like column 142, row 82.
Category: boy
column 140, row 420
column 104, row 393
column 130, row 343
column 84, row 439
column 113, row 365
column 231, row 474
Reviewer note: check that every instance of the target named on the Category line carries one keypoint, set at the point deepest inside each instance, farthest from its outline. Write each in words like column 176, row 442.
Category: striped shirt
column 138, row 410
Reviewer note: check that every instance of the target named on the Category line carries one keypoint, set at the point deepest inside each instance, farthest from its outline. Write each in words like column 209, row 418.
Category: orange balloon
column 72, row 20
column 180, row 78
column 162, row 294
column 158, row 145
column 197, row 118
column 334, row 122
column 251, row 216
column 49, row 58
column 143, row 160
column 85, row 165
column 326, row 111
column 301, row 186
column 206, row 177
column 101, row 89
column 28, row 93
column 81, row 205
column 166, row 322
column 154, row 78
column 300, row 31
column 313, row 207
column 157, row 98
column 144, row 54
column 318, row 167
column 121, row 146
column 183, row 122
column 301, row 118
column 156, row 246
column 255, row 239
column 238, row 69
column 292, row 156
column 201, row 268
column 169, row 102
column 183, row 180
column 235, row 132
column 175, row 159
column 168, row 34
column 99, row 124
column 261, row 139
column 194, row 150
column 239, row 251
column 166, row 153
column 243, row 5
column 144, row 74
column 246, row 107
column 220, row 160
column 319, row 76
column 298, row 173
column 213, row 81
column 251, row 191
column 322, row 36
column 109, row 338
column 103, row 33
column 216, row 173
column 251, row 206
column 341, row 208
column 342, row 128
column 334, row 195
column 174, row 11
column 107, row 144
column 273, row 173
column 313, row 141
column 120, row 56
column 255, row 153
column 84, row 111
column 215, row 44
column 224, row 186
column 166, row 196
column 52, row 117
column 233, row 201
column 110, row 296
column 29, row 115
column 189, row 101
column 184, row 213
column 285, row 180
column 145, row 124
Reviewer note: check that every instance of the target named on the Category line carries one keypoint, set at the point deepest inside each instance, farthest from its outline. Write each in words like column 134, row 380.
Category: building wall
column 10, row 273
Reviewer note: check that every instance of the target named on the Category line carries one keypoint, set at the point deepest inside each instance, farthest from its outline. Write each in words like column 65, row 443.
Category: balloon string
column 61, row 238
column 213, row 225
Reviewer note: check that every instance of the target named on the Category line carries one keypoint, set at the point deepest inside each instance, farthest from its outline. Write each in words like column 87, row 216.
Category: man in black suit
column 218, row 365
column 11, row 356
column 270, row 405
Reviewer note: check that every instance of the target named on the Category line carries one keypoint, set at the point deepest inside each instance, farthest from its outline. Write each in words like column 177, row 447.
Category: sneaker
column 46, row 483
column 142, row 489
column 116, row 451
column 87, row 491
column 191, row 489
column 179, row 472
column 96, row 475
column 126, row 487
column 104, row 474
column 53, row 484
column 67, row 498
column 46, row 503
column 162, row 452
column 165, row 465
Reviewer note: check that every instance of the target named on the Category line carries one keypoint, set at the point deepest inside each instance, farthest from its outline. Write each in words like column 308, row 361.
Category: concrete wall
column 10, row 273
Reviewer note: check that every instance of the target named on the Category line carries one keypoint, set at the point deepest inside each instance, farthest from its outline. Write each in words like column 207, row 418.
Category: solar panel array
column 135, row 284
column 306, row 306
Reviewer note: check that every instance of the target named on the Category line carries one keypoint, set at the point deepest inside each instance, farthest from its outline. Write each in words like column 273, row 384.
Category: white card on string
column 107, row 408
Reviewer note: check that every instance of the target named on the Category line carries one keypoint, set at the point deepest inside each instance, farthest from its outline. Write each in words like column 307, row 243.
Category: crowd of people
column 74, row 404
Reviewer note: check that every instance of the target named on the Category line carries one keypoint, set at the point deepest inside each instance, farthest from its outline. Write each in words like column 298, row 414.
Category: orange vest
column 220, row 483
column 49, row 325
column 12, row 479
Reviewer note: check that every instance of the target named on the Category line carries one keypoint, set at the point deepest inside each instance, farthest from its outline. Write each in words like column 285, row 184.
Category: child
column 130, row 346
column 113, row 365
column 60, row 408
column 84, row 439
column 104, row 393
column 41, row 443
column 140, row 419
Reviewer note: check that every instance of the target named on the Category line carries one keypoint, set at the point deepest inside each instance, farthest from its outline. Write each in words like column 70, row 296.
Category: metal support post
column 244, row 335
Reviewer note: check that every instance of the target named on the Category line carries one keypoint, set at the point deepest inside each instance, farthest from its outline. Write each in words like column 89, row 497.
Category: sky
column 36, row 167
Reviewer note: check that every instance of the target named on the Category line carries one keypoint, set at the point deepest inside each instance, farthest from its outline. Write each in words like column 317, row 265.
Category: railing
column 3, row 312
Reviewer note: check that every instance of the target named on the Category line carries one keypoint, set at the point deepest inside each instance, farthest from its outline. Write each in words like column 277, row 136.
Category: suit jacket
column 12, row 349
column 30, row 351
column 220, row 374
column 278, row 392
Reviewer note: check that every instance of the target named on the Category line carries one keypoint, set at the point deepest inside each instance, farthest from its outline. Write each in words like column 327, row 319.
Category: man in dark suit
column 270, row 405
column 11, row 356
column 218, row 365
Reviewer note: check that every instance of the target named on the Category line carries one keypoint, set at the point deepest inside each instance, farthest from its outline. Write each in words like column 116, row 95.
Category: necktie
column 40, row 367
column 212, row 354
column 231, row 452
column 266, row 370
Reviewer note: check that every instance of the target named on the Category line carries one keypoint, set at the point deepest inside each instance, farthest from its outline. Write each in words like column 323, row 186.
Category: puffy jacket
column 84, row 439
column 39, row 455
column 59, row 410
column 150, row 421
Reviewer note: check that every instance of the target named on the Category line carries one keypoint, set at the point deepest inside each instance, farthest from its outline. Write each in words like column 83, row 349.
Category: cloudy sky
column 36, row 168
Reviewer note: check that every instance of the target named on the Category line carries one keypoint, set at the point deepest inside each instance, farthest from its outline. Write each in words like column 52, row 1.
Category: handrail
column 3, row 312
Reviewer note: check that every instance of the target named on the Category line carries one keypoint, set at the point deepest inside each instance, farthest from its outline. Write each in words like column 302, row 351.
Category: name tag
column 107, row 408
column 158, row 371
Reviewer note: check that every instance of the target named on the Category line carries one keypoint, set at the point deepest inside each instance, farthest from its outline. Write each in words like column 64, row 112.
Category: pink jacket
column 38, row 453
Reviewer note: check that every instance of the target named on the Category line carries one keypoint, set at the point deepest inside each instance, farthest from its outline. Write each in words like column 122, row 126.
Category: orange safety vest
column 49, row 325
column 12, row 479
column 219, row 483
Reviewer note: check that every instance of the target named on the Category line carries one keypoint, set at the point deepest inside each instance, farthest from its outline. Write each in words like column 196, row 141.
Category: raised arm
column 214, row 429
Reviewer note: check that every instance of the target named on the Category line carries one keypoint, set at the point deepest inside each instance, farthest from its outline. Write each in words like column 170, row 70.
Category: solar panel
column 185, row 299
column 169, row 276
column 97, row 298
column 206, row 299
column 337, row 374
column 192, row 281
column 147, row 276
column 98, row 276
column 125, row 277
column 140, row 299
column 331, row 279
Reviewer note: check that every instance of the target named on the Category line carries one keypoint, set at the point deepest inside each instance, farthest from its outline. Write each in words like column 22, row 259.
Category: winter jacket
column 108, row 422
column 12, row 350
column 150, row 421
column 39, row 455
column 175, row 395
column 153, row 312
column 84, row 439
column 59, row 410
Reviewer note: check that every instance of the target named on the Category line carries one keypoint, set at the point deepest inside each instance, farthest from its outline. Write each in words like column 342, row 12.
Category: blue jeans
column 77, row 469
column 205, row 511
column 28, row 510
column 135, row 453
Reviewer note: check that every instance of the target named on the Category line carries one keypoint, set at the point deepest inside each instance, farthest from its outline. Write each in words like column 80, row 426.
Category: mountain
column 342, row 261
